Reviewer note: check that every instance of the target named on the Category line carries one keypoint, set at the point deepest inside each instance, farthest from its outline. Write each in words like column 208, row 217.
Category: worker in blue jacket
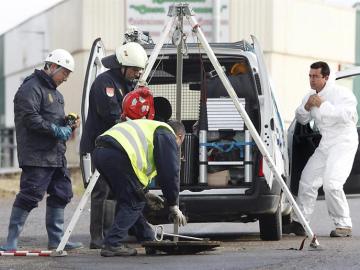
column 41, row 134
column 105, row 99
column 128, row 156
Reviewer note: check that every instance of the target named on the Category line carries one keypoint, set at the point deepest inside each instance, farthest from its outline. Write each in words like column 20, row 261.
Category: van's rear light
column 261, row 171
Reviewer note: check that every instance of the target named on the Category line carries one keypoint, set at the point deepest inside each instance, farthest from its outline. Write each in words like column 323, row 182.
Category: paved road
column 241, row 249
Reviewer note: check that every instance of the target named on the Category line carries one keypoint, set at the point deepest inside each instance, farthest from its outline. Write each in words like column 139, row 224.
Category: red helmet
column 138, row 104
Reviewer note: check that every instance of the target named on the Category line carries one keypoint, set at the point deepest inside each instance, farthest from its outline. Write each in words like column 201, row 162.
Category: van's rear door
column 272, row 128
column 94, row 68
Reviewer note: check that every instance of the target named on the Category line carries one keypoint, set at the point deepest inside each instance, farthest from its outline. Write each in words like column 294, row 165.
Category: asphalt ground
column 241, row 245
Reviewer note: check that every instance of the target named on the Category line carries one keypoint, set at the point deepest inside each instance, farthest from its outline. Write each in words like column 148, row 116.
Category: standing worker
column 128, row 156
column 333, row 108
column 41, row 134
column 105, row 99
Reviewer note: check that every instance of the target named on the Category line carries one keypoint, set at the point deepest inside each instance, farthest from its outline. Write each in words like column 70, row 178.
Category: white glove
column 154, row 201
column 177, row 215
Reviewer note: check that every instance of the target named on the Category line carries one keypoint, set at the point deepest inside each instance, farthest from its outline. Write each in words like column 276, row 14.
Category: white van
column 230, row 182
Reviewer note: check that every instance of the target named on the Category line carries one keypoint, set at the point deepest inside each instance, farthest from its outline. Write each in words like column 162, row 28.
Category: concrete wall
column 294, row 34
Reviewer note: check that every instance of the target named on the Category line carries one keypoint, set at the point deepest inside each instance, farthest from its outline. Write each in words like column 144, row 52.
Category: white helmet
column 61, row 58
column 131, row 54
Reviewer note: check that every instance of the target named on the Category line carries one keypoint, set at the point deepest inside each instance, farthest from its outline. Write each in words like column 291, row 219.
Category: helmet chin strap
column 123, row 70
column 52, row 74
column 133, row 81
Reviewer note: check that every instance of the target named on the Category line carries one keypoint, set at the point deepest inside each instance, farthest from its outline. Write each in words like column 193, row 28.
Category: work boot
column 55, row 229
column 341, row 232
column 16, row 225
column 295, row 228
column 101, row 219
column 122, row 250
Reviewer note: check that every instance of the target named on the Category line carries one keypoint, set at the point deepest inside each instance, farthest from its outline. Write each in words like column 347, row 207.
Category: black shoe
column 121, row 250
column 295, row 228
column 152, row 251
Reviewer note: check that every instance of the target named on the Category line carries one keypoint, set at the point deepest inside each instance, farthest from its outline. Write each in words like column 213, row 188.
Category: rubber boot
column 96, row 224
column 55, row 229
column 16, row 225
column 101, row 219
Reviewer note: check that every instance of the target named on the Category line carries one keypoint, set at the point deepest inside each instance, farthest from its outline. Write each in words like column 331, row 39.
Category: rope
column 227, row 147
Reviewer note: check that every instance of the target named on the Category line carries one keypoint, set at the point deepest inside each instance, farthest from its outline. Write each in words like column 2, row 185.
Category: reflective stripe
column 144, row 145
column 133, row 143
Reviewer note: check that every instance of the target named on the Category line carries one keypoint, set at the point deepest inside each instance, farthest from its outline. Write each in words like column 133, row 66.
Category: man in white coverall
column 333, row 108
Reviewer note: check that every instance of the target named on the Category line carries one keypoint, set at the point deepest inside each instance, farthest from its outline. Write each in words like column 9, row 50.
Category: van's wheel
column 271, row 226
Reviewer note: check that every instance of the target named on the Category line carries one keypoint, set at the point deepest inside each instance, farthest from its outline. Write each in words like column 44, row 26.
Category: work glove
column 61, row 133
column 154, row 201
column 177, row 215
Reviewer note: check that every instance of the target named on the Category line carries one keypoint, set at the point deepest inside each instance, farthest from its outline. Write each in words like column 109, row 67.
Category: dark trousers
column 114, row 165
column 102, row 211
column 35, row 181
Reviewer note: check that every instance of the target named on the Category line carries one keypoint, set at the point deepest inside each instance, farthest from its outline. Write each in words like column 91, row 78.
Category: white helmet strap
column 57, row 70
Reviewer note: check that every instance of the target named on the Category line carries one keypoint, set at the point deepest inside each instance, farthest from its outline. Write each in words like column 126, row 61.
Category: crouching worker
column 129, row 155
column 41, row 133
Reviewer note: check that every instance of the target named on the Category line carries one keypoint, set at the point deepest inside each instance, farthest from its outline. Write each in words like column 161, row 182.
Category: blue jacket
column 37, row 104
column 105, row 106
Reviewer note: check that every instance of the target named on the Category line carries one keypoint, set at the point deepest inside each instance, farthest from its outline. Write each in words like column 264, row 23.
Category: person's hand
column 154, row 201
column 308, row 106
column 77, row 123
column 313, row 101
column 61, row 133
column 177, row 215
column 316, row 100
column 72, row 120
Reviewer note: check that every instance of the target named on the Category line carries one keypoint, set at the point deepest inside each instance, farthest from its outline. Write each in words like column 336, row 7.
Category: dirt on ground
column 9, row 183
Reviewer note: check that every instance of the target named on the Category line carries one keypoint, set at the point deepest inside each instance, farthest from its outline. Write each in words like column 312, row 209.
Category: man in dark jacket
column 129, row 156
column 105, row 99
column 41, row 133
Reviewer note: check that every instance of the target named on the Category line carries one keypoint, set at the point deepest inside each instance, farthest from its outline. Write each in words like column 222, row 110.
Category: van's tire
column 286, row 219
column 271, row 226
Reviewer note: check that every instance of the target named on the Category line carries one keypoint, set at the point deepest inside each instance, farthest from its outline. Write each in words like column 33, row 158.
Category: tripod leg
column 78, row 211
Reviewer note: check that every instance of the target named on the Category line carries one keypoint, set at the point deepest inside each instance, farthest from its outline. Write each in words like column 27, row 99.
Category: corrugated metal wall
column 356, row 85
column 105, row 19
column 2, row 83
column 252, row 17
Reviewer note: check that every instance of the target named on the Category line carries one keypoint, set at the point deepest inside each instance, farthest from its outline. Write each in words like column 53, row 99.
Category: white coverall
column 331, row 163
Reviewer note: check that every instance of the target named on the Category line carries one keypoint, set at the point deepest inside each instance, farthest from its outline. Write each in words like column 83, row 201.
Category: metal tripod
column 178, row 12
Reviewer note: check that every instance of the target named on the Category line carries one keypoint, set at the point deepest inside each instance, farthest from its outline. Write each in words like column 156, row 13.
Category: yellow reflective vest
column 137, row 139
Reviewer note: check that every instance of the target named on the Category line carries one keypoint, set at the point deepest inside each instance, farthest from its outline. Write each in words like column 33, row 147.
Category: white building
column 293, row 34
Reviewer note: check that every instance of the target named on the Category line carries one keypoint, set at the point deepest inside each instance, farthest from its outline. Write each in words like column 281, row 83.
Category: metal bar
column 179, row 68
column 203, row 158
column 42, row 253
column 159, row 230
column 248, row 158
column 250, row 126
column 78, row 211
